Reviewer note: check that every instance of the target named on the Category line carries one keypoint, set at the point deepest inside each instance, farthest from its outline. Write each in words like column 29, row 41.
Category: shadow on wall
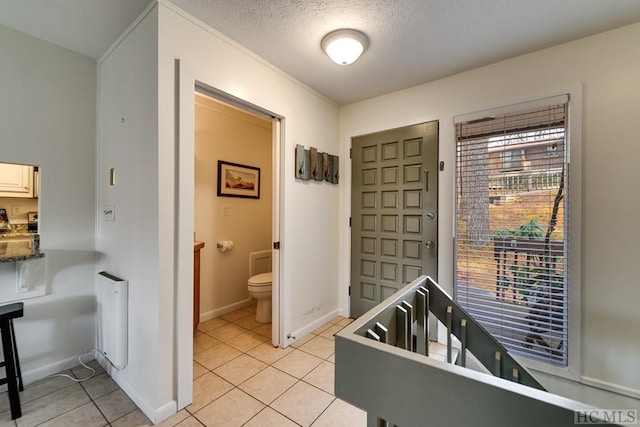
column 60, row 324
column 50, row 327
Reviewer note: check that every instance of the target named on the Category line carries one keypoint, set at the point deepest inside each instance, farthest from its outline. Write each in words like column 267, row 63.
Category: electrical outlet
column 16, row 209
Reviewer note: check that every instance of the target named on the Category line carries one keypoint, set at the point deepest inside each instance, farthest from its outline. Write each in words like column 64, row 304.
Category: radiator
column 113, row 300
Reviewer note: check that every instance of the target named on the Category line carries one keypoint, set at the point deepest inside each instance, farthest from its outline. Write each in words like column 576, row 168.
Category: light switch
column 109, row 212
column 15, row 210
column 225, row 210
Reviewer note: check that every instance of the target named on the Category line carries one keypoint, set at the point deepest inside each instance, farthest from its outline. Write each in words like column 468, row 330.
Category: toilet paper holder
column 225, row 245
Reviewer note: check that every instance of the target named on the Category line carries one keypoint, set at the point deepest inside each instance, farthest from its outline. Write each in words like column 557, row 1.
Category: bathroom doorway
column 233, row 203
column 187, row 86
column 230, row 133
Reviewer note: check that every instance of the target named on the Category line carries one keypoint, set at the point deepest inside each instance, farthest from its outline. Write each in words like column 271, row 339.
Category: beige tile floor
column 59, row 401
column 239, row 379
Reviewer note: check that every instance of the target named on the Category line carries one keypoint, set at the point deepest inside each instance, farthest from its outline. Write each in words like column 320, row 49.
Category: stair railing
column 382, row 367
column 409, row 319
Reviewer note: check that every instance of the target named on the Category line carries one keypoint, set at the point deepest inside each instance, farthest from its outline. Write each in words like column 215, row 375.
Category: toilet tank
column 259, row 262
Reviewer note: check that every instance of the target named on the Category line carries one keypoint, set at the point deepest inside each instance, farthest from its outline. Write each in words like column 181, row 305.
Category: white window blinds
column 512, row 225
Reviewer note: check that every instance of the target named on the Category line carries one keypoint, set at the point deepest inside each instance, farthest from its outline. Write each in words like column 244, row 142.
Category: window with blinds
column 512, row 226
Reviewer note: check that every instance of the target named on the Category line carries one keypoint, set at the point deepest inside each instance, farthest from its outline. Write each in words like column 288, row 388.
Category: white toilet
column 260, row 289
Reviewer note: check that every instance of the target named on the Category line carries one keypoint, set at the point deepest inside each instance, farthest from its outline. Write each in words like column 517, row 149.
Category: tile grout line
column 323, row 411
column 264, row 340
column 325, row 359
column 95, row 403
column 70, row 373
column 273, row 409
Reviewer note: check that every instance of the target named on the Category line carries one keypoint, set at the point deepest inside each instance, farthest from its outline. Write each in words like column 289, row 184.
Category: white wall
column 128, row 247
column 228, row 134
column 309, row 253
column 141, row 245
column 310, row 120
column 47, row 118
column 606, row 68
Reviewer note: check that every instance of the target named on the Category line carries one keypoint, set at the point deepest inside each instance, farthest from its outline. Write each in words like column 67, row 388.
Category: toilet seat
column 259, row 280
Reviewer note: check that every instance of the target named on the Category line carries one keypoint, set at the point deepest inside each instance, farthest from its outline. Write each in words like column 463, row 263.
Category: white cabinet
column 16, row 180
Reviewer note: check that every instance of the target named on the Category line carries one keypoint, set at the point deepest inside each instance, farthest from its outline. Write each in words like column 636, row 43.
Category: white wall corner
column 155, row 414
column 298, row 334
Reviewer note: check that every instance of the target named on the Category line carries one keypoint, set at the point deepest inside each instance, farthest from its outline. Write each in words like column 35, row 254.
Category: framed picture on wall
column 236, row 180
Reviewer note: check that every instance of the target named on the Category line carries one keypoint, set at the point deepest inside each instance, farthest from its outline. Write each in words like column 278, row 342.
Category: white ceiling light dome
column 345, row 46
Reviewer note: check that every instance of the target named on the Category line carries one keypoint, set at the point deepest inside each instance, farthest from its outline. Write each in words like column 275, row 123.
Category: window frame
column 512, row 160
column 574, row 164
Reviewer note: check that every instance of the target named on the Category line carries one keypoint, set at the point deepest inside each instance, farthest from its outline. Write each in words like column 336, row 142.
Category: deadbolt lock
column 430, row 244
column 431, row 215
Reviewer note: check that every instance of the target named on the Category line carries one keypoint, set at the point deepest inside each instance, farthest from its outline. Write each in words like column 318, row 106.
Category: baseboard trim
column 41, row 372
column 226, row 309
column 154, row 414
column 615, row 388
column 311, row 327
column 165, row 411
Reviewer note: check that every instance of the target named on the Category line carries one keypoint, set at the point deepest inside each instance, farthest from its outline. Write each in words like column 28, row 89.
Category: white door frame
column 187, row 81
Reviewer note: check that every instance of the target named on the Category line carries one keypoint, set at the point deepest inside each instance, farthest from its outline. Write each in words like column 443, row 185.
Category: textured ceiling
column 411, row 41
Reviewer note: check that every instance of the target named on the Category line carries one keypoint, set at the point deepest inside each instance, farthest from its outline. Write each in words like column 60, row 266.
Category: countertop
column 19, row 246
column 17, row 235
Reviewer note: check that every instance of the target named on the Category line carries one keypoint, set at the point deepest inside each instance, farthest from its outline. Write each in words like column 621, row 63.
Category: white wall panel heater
column 113, row 300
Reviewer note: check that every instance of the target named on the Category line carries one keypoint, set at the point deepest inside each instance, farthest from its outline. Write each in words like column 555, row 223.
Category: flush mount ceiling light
column 344, row 46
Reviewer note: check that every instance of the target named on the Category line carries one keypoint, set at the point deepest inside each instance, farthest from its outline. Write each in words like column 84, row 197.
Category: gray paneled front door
column 394, row 212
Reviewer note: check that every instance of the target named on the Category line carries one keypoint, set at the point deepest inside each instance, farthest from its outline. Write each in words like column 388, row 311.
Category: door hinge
column 441, row 166
column 276, row 245
column 350, row 152
column 349, row 290
column 349, row 222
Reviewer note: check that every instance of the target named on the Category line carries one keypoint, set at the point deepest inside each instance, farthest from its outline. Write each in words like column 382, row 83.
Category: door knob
column 430, row 244
column 431, row 215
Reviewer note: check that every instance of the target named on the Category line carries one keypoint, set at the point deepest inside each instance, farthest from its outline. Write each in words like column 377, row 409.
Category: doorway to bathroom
column 235, row 192
column 188, row 85
column 233, row 206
